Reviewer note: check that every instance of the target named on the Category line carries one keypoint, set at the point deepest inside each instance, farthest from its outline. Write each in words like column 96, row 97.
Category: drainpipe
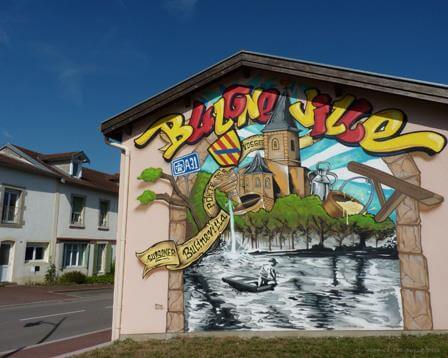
column 121, row 241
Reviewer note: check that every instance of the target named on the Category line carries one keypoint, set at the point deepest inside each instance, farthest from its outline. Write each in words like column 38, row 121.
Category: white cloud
column 181, row 8
column 6, row 134
column 69, row 74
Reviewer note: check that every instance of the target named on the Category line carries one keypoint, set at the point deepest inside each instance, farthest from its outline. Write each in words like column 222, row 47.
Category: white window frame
column 79, row 257
column 81, row 214
column 107, row 217
column 34, row 245
column 18, row 211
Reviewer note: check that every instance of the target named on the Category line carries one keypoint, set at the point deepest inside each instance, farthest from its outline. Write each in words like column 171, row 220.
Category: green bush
column 50, row 275
column 108, row 278
column 73, row 277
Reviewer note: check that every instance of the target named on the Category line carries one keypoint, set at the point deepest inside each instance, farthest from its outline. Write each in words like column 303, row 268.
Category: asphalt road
column 29, row 324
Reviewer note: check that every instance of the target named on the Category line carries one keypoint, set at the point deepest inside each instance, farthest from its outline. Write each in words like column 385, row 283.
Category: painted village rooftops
column 257, row 165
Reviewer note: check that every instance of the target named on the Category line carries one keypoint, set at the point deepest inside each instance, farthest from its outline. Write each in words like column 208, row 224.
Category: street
column 29, row 324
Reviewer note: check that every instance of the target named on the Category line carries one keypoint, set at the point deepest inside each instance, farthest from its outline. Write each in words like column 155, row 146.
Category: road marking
column 108, row 306
column 51, row 315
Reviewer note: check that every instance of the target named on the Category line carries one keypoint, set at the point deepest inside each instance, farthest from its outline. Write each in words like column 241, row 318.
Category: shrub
column 50, row 275
column 73, row 277
column 108, row 278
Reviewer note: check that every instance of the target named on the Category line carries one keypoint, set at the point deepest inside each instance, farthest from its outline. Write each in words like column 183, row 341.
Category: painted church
column 280, row 172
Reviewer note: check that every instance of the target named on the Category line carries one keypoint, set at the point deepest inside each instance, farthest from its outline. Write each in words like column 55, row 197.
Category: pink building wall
column 144, row 300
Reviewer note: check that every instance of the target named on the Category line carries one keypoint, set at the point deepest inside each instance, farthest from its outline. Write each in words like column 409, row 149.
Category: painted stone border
column 414, row 278
column 414, row 275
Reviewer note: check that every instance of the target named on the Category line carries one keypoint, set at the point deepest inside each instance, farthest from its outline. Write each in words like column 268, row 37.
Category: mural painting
column 291, row 220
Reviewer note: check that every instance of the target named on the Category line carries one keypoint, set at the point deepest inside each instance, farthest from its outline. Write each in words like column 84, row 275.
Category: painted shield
column 226, row 150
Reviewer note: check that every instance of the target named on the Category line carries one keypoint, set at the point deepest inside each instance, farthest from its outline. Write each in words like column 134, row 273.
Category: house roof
column 6, row 161
column 244, row 60
column 257, row 165
column 90, row 178
column 54, row 157
column 281, row 119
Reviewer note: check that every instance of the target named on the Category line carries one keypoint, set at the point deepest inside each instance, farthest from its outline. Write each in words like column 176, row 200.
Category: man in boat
column 267, row 273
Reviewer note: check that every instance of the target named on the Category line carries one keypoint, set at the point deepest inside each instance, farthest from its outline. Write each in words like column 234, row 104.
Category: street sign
column 185, row 165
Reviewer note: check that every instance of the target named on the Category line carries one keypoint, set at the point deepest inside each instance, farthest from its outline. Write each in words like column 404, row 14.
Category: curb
column 85, row 350
column 77, row 289
column 37, row 346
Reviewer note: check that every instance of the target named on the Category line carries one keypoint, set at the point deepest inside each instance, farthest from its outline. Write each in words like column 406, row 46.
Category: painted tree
column 255, row 222
column 366, row 227
column 288, row 215
column 343, row 227
column 151, row 175
column 322, row 223
column 304, row 209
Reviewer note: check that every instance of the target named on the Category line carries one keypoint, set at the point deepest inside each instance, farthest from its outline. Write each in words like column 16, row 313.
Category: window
column 274, row 144
column 35, row 251
column 104, row 214
column 77, row 217
column 76, row 168
column 293, row 147
column 267, row 183
column 257, row 183
column 11, row 206
column 74, row 254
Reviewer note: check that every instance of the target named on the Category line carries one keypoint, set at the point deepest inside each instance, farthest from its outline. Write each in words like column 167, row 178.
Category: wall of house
column 91, row 214
column 38, row 219
column 144, row 310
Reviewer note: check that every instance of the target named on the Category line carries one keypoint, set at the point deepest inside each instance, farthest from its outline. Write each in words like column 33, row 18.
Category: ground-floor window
column 35, row 251
column 74, row 254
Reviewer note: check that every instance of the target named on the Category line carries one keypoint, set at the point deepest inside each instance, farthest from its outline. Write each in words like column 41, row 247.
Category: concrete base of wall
column 281, row 334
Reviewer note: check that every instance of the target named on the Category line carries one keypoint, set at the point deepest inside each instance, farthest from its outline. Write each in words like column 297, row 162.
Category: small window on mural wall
column 315, row 247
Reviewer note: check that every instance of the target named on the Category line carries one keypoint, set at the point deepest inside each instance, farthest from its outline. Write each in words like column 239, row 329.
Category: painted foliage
column 291, row 218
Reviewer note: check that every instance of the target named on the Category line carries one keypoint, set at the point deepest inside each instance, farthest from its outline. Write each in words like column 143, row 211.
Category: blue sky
column 65, row 66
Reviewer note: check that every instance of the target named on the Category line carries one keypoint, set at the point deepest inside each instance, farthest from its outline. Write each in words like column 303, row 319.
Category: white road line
column 51, row 315
column 108, row 306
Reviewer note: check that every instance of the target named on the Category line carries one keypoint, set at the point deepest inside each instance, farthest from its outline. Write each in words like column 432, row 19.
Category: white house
column 54, row 210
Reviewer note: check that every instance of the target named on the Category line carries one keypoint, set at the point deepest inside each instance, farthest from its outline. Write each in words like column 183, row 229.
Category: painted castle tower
column 280, row 172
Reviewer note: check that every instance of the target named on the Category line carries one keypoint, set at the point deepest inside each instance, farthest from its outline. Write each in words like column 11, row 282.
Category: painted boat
column 247, row 284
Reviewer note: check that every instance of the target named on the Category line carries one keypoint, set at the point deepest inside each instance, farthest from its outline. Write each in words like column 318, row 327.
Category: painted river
column 342, row 292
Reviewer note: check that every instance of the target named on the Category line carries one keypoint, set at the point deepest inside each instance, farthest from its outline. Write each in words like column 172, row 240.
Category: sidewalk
column 16, row 295
column 63, row 346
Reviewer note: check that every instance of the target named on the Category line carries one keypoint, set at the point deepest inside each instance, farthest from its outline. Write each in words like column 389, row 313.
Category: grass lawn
column 404, row 346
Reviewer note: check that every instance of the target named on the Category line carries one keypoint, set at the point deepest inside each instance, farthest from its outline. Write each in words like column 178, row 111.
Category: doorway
column 5, row 261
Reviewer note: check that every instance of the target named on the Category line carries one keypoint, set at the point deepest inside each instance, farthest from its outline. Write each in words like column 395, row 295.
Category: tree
column 151, row 175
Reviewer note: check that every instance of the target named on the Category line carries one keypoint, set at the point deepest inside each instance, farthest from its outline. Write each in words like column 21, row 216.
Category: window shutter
column 108, row 262
column 95, row 259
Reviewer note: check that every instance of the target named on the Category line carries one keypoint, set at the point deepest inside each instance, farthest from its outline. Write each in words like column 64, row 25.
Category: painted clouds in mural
column 291, row 221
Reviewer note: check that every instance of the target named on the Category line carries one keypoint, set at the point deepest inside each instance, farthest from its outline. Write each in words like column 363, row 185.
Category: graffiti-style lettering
column 173, row 126
column 201, row 121
column 348, row 120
